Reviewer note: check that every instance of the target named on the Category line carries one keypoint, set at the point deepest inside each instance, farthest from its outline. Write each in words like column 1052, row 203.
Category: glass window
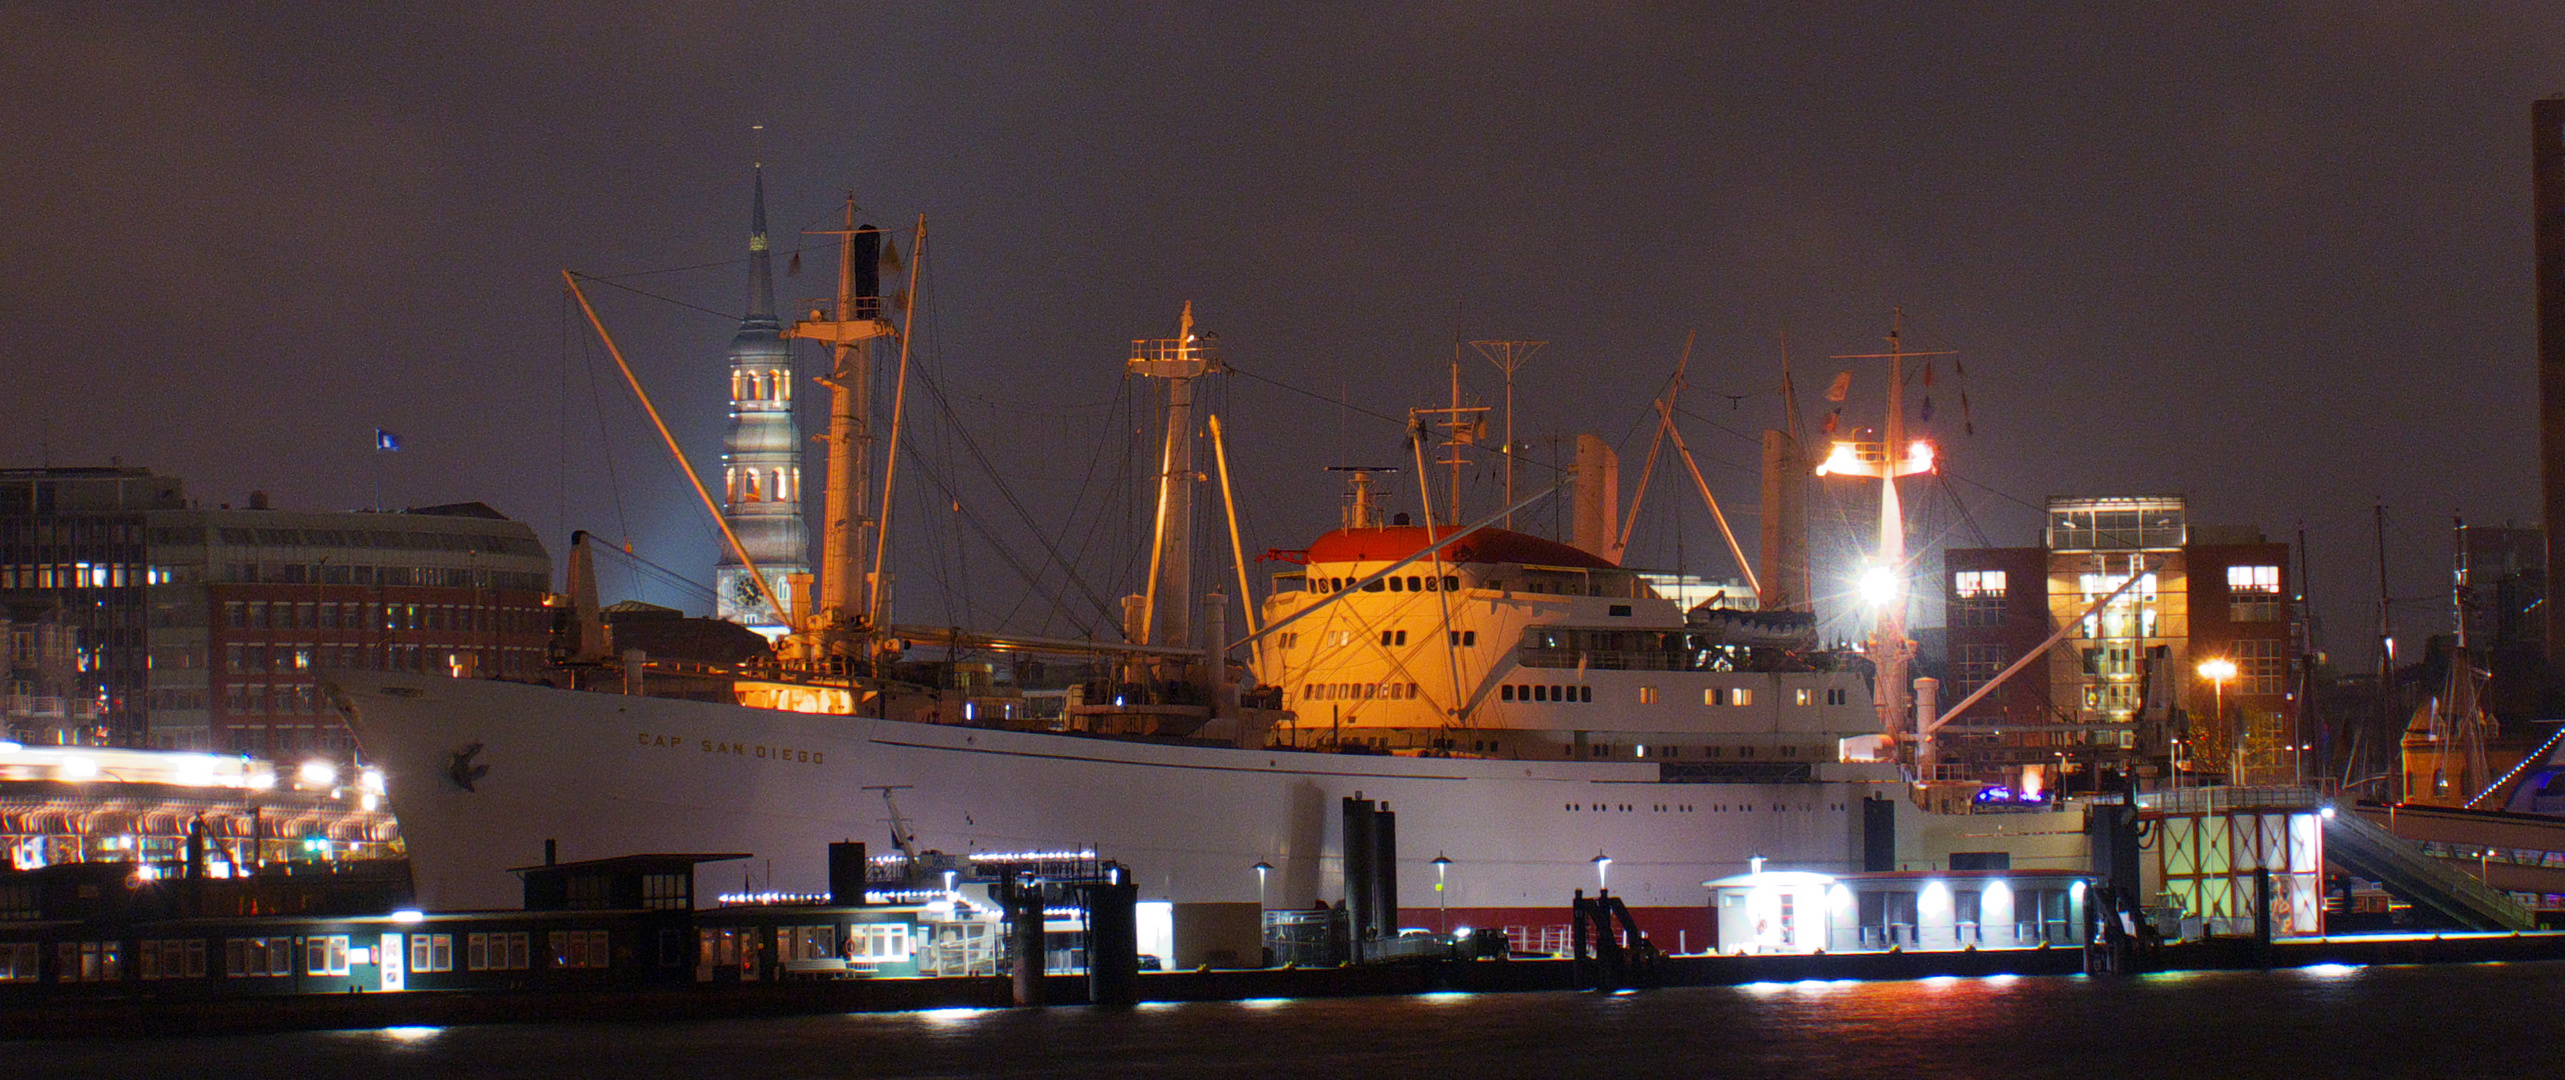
column 2254, row 579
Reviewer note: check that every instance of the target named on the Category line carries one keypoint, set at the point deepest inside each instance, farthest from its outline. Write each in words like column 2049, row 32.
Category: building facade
column 762, row 453
column 2185, row 676
column 197, row 629
column 73, row 574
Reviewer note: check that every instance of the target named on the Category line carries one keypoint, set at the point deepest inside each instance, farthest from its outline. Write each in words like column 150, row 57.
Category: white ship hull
column 606, row 775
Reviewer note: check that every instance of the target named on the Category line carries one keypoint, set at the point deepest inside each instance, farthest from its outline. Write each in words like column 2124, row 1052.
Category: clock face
column 746, row 595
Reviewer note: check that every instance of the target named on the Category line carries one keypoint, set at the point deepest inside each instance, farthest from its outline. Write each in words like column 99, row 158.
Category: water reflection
column 410, row 1034
column 951, row 1018
column 2330, row 1022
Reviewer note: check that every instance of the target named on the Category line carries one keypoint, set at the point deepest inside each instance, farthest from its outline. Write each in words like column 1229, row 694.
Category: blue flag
column 385, row 440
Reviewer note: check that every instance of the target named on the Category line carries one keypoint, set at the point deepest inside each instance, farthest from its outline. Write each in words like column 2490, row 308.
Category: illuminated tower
column 762, row 454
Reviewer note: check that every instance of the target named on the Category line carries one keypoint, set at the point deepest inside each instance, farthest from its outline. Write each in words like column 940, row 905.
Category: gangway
column 2362, row 847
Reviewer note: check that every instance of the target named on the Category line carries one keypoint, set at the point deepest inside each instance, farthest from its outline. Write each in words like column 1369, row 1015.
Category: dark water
column 2459, row 1021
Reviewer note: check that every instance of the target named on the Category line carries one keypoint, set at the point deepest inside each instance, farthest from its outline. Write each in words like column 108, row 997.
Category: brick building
column 199, row 629
column 2126, row 689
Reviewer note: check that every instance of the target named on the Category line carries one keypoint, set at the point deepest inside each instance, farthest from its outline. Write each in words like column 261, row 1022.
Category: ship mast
column 845, row 604
column 1883, row 583
column 1166, row 605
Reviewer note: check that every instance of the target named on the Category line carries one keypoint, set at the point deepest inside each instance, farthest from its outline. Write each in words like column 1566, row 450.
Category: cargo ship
column 1539, row 717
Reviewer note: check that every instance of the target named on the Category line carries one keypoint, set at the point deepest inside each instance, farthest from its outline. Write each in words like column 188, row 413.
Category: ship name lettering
column 710, row 746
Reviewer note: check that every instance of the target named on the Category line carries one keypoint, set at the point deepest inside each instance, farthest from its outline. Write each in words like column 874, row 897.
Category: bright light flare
column 1841, row 460
column 1878, row 586
column 78, row 768
column 2218, row 669
column 319, row 774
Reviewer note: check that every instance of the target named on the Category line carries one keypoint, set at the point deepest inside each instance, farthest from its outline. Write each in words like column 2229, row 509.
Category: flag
column 794, row 268
column 1841, row 387
column 1961, row 366
column 1831, row 419
column 1928, row 373
column 1966, row 420
column 1928, row 404
column 385, row 440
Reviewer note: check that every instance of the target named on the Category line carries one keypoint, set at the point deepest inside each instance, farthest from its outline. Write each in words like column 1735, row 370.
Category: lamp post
column 2218, row 670
column 1262, row 868
column 1442, row 900
column 1602, row 872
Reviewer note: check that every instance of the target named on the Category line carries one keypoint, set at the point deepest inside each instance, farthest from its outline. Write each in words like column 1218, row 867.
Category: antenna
column 1507, row 356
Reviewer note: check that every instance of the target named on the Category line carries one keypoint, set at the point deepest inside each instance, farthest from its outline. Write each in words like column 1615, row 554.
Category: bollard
column 1113, row 944
column 1024, row 929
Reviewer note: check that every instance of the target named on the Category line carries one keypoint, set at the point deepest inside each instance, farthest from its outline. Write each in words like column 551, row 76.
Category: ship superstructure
column 1524, row 647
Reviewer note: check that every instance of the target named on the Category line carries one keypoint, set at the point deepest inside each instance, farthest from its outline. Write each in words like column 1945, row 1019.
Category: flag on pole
column 385, row 440
column 1928, row 404
column 1841, row 387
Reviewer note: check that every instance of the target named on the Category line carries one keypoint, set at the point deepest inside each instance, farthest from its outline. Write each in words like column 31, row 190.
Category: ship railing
column 1313, row 937
column 1600, row 659
column 2224, row 799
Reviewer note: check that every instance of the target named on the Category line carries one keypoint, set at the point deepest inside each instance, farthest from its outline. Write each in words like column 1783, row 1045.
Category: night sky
column 2274, row 257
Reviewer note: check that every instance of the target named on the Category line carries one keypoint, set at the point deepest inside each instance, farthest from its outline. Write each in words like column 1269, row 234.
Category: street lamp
column 1442, row 900
column 1602, row 872
column 1262, row 868
column 2218, row 670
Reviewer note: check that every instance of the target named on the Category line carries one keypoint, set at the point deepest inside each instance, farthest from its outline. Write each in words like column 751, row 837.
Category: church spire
column 762, row 454
column 761, row 266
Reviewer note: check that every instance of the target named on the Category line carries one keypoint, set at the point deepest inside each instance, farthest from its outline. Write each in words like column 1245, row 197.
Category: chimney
column 1598, row 499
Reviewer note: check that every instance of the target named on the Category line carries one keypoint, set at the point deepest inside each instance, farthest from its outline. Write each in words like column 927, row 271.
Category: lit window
column 2254, row 579
column 1970, row 584
column 1647, row 695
